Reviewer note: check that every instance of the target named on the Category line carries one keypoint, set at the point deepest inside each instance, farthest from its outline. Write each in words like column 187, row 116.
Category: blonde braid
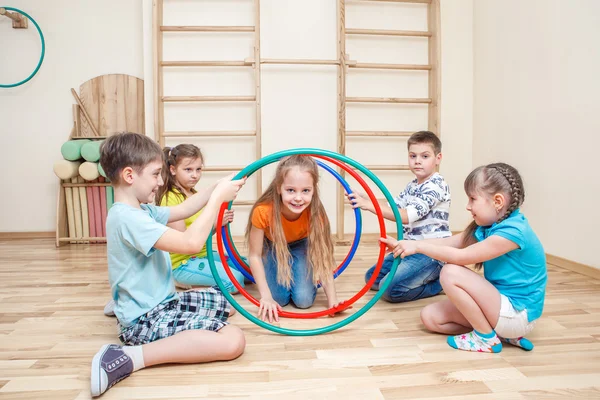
column 517, row 191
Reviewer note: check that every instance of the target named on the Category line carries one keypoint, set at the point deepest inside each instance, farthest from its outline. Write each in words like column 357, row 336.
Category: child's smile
column 296, row 193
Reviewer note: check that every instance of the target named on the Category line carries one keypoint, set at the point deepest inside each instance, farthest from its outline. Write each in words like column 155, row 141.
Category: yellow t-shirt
column 293, row 230
column 173, row 198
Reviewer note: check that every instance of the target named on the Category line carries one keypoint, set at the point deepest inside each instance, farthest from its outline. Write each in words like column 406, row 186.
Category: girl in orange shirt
column 289, row 240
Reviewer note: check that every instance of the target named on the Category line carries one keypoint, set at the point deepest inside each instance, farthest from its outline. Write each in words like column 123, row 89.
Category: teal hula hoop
column 43, row 49
column 307, row 332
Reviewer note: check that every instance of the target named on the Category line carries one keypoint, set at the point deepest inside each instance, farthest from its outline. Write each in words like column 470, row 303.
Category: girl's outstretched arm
column 331, row 293
column 488, row 249
column 268, row 307
column 455, row 241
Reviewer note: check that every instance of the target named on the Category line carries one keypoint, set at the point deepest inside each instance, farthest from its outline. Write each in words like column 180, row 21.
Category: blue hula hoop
column 357, row 235
column 43, row 49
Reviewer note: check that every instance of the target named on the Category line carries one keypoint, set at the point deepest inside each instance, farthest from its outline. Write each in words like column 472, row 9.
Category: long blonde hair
column 320, row 245
column 491, row 179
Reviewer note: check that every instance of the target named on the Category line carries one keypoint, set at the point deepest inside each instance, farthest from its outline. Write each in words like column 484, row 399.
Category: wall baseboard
column 583, row 269
column 26, row 235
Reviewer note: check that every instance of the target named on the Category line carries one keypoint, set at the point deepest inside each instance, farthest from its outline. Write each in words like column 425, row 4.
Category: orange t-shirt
column 293, row 230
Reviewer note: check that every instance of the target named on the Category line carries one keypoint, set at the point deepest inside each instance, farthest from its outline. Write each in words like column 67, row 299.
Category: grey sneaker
column 109, row 309
column 109, row 366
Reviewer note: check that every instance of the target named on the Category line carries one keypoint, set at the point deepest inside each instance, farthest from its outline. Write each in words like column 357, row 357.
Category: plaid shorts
column 206, row 309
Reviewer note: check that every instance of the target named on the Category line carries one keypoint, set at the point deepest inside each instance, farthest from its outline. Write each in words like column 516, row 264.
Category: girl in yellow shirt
column 183, row 168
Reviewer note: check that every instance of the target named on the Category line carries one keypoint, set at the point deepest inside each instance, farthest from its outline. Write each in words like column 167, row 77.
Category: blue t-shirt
column 139, row 275
column 520, row 274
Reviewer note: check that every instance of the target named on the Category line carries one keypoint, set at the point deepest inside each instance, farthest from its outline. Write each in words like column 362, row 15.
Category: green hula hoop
column 43, row 49
column 307, row 332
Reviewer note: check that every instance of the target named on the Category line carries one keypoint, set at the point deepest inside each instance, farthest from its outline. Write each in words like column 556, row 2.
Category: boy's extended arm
column 193, row 239
column 191, row 205
column 389, row 214
column 359, row 200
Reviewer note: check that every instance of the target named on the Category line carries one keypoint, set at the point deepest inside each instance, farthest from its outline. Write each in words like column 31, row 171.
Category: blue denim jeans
column 417, row 277
column 196, row 272
column 302, row 291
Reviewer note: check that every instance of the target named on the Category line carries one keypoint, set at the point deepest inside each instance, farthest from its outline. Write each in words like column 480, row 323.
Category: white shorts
column 512, row 324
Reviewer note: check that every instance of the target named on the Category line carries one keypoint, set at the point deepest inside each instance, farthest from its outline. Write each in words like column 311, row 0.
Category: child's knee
column 427, row 318
column 449, row 275
column 235, row 342
column 281, row 298
column 303, row 299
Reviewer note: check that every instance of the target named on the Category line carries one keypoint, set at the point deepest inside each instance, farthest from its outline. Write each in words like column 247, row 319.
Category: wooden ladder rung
column 205, row 64
column 387, row 167
column 88, row 184
column 379, row 200
column 378, row 133
column 243, row 202
column 223, row 168
column 386, row 100
column 403, row 1
column 298, row 61
column 411, row 67
column 208, row 98
column 165, row 28
column 209, row 133
column 387, row 32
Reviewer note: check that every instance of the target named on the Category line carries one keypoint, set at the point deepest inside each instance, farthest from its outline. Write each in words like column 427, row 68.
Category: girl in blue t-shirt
column 504, row 304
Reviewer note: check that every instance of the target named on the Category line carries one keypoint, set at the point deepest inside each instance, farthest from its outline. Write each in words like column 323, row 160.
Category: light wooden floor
column 51, row 324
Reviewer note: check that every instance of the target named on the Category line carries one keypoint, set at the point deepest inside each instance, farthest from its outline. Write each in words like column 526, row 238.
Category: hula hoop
column 43, row 49
column 324, row 154
column 329, row 311
column 244, row 269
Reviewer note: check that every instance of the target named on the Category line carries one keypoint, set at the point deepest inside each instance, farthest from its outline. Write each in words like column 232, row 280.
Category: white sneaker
column 109, row 309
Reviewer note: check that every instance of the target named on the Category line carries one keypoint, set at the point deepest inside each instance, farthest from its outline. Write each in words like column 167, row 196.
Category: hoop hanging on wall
column 43, row 49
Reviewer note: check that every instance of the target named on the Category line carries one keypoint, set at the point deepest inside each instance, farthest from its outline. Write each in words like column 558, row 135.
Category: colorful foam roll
column 66, row 169
column 90, row 151
column 91, row 213
column 103, row 207
column 110, row 197
column 77, row 210
column 70, row 212
column 101, row 171
column 71, row 150
column 89, row 171
column 84, row 208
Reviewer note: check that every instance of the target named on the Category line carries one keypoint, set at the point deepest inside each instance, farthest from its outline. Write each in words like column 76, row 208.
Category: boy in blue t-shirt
column 157, row 324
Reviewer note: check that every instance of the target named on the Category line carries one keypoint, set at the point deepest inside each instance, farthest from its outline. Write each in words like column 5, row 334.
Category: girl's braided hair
column 491, row 179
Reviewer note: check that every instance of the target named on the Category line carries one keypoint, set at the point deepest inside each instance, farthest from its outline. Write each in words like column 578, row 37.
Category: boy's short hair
column 127, row 150
column 426, row 137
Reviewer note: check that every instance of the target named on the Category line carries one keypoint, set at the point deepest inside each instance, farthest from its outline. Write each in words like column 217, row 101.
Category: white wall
column 299, row 102
column 536, row 107
column 84, row 39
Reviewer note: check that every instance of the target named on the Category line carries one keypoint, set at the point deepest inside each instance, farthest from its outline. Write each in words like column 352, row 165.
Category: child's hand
column 359, row 200
column 268, row 309
column 227, row 217
column 402, row 248
column 227, row 190
column 336, row 305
